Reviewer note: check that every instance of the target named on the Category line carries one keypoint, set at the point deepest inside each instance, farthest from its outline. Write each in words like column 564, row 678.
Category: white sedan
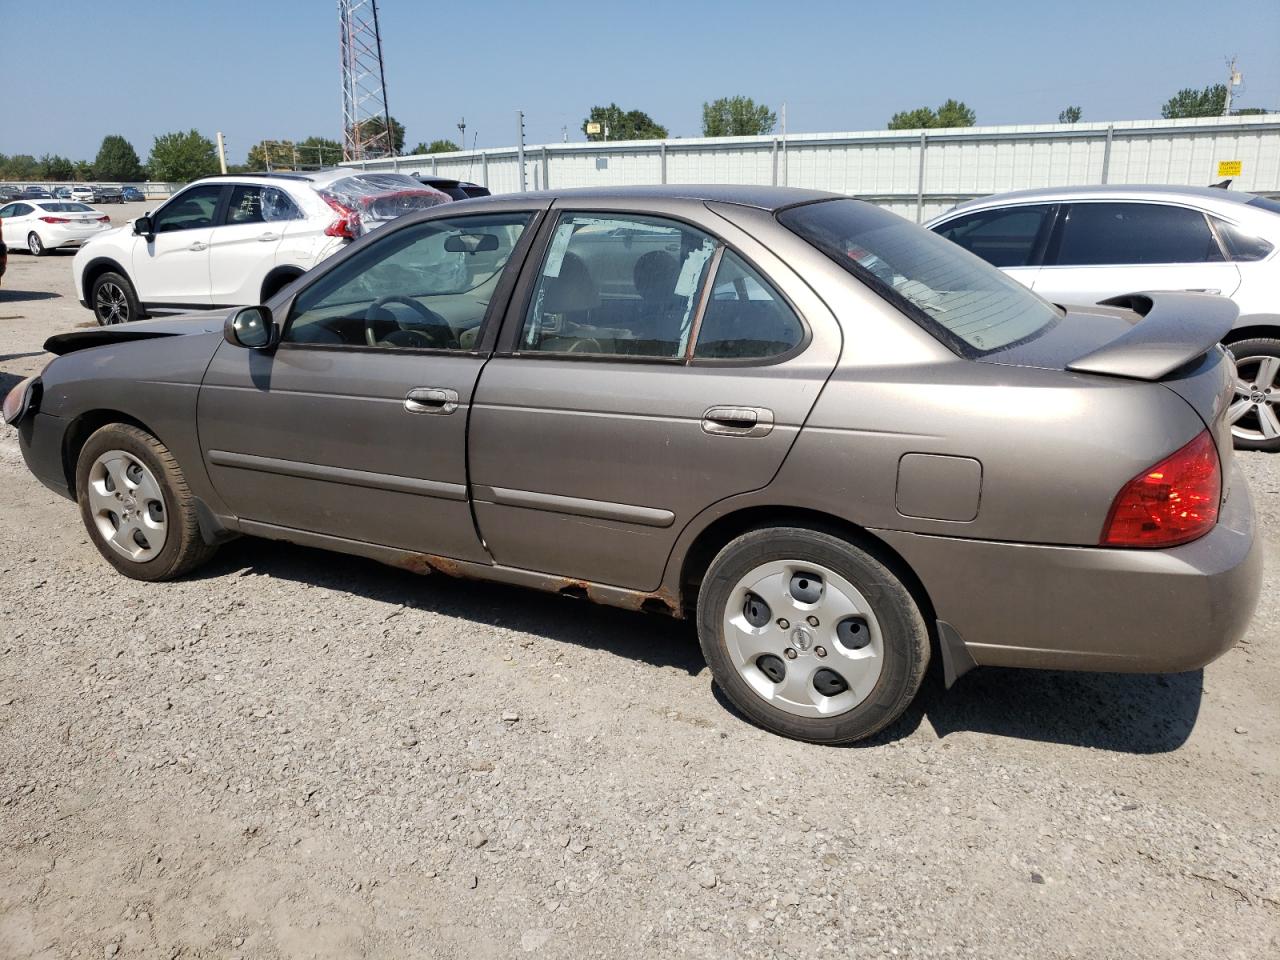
column 44, row 225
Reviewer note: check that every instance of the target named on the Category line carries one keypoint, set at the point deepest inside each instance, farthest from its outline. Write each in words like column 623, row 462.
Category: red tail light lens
column 1176, row 501
column 55, row 219
column 104, row 219
column 348, row 223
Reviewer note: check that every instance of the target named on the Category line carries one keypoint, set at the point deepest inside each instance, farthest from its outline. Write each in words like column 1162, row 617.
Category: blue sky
column 269, row 68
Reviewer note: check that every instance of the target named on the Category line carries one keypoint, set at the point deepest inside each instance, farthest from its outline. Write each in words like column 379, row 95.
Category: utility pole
column 366, row 120
column 1234, row 79
column 520, row 149
column 462, row 129
column 222, row 152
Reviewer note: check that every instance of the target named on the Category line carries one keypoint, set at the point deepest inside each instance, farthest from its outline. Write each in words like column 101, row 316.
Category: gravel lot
column 295, row 754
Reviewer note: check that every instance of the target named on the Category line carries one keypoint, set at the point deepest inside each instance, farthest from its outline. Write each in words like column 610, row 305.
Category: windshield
column 962, row 300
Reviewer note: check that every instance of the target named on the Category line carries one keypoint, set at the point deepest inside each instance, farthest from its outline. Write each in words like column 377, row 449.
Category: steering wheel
column 437, row 332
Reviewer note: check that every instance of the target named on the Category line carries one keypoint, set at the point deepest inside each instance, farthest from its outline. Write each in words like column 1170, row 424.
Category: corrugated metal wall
column 885, row 166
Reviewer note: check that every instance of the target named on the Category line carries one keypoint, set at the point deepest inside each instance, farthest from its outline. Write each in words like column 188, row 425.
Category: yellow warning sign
column 1230, row 168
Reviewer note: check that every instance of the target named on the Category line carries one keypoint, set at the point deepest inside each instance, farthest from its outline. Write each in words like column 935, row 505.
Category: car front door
column 650, row 366
column 355, row 426
column 1102, row 249
column 242, row 247
column 15, row 223
column 1011, row 238
column 172, row 268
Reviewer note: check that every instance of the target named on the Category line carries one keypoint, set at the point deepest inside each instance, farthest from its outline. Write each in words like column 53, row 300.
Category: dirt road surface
column 295, row 754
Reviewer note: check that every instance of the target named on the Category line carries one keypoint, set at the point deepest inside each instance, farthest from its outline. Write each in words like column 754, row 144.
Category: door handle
column 198, row 246
column 268, row 237
column 737, row 421
column 437, row 400
column 1214, row 291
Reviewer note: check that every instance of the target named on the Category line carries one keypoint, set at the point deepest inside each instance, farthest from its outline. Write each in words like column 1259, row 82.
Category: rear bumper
column 1087, row 608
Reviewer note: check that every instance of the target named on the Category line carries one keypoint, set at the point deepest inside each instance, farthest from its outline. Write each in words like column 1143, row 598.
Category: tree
column 1070, row 115
column 736, row 117
column 19, row 166
column 953, row 113
column 117, row 160
column 320, row 152
column 54, row 167
column 84, row 170
column 376, row 127
column 270, row 155
column 623, row 124
column 181, row 157
column 436, row 146
column 1209, row 102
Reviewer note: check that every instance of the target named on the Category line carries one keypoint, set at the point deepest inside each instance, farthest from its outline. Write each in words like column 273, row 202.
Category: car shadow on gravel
column 8, row 295
column 646, row 637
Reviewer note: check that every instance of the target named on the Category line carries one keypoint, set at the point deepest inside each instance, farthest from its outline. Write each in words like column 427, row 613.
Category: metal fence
column 917, row 173
column 151, row 189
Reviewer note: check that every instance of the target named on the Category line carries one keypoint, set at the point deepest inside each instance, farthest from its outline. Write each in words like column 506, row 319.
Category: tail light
column 55, row 219
column 104, row 219
column 348, row 223
column 1174, row 502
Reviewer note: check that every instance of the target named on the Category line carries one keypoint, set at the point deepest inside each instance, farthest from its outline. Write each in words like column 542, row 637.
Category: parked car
column 106, row 194
column 456, row 189
column 132, row 195
column 1086, row 244
column 234, row 240
column 84, row 193
column 62, row 193
column 42, row 226
column 9, row 192
column 4, row 253
column 36, row 193
column 820, row 431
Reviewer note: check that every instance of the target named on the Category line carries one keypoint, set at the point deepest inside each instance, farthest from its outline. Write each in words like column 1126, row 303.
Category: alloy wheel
column 127, row 506
column 803, row 638
column 110, row 304
column 34, row 244
column 1255, row 413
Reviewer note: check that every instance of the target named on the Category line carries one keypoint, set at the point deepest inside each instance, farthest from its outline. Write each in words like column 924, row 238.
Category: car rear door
column 654, row 361
column 243, row 244
column 1104, row 248
column 1012, row 238
column 355, row 427
column 172, row 268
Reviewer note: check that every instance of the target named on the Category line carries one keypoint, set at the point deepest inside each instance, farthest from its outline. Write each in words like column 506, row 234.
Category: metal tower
column 366, row 122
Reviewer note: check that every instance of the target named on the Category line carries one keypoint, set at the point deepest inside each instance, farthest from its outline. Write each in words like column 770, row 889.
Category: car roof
column 1110, row 191
column 764, row 198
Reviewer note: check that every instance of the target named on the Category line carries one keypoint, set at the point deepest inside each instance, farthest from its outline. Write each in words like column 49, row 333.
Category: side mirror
column 251, row 327
column 143, row 227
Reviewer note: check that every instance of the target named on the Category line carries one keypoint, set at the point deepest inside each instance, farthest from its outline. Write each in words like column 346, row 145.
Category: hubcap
column 803, row 638
column 110, row 304
column 127, row 506
column 1254, row 414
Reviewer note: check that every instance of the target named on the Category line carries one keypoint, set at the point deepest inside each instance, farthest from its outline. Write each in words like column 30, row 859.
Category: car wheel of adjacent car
column 136, row 505
column 1255, row 413
column 113, row 300
column 810, row 636
column 35, row 244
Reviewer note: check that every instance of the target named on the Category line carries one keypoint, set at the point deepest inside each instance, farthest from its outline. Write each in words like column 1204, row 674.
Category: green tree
column 320, row 152
column 1070, row 115
column 270, row 155
column 1209, row 102
column 20, row 166
column 953, row 113
column 436, row 146
column 180, row 157
column 737, row 117
column 117, row 160
column 54, row 167
column 376, row 127
column 623, row 124
column 83, row 170
column 1250, row 111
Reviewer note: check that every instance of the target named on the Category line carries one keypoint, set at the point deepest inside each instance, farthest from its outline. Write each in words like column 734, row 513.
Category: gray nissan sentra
column 840, row 443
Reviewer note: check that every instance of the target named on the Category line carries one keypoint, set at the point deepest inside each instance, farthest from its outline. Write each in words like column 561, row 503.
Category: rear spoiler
column 1174, row 329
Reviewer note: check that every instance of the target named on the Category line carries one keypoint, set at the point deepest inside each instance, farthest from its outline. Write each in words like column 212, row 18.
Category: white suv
column 235, row 240
column 1083, row 245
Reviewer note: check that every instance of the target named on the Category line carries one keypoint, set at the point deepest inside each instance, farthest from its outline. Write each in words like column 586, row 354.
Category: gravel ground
column 295, row 754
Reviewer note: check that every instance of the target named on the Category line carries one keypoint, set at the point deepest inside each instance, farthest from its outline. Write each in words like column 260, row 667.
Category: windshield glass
column 962, row 300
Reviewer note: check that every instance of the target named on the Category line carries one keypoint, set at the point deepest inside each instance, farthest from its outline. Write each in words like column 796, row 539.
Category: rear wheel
column 1255, row 413
column 136, row 505
column 35, row 244
column 114, row 300
column 810, row 636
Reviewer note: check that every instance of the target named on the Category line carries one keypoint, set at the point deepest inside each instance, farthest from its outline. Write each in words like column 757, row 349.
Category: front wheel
column 114, row 300
column 1255, row 412
column 35, row 244
column 810, row 636
column 136, row 505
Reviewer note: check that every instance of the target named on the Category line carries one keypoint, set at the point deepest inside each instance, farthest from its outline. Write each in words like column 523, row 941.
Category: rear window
column 66, row 208
column 1266, row 203
column 383, row 196
column 960, row 299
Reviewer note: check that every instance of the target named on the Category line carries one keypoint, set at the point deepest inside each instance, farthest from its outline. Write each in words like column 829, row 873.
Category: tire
column 855, row 589
column 1255, row 412
column 113, row 300
column 122, row 474
column 36, row 245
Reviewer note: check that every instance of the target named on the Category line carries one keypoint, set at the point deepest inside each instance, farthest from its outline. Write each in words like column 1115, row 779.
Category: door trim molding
column 352, row 478
column 576, row 506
